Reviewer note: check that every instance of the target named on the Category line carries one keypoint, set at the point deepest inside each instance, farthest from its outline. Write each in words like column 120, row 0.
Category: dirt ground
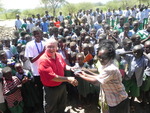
column 93, row 108
column 6, row 28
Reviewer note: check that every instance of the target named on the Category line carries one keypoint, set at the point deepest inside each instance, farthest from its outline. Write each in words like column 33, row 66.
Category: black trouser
column 122, row 107
column 39, row 89
column 55, row 99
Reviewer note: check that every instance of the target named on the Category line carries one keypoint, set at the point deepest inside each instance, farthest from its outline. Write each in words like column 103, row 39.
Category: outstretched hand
column 72, row 81
column 81, row 73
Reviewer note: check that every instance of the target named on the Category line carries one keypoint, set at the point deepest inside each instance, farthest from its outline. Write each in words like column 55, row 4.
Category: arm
column 93, row 72
column 127, row 52
column 143, row 41
column 146, row 55
column 32, row 60
column 70, row 80
column 87, row 77
column 13, row 90
column 69, row 68
column 48, row 75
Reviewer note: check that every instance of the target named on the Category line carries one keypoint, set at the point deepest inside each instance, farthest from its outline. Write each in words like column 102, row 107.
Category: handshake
column 72, row 80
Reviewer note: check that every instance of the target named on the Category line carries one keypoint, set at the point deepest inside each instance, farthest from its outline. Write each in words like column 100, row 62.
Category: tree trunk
column 54, row 12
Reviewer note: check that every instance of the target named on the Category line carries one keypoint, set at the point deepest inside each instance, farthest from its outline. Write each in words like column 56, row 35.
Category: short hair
column 138, row 47
column 126, row 25
column 6, row 70
column 72, row 44
column 36, row 29
column 18, row 65
column 2, row 52
column 51, row 40
column 17, row 15
column 80, row 54
column 23, row 33
column 147, row 42
column 109, row 46
column 125, row 41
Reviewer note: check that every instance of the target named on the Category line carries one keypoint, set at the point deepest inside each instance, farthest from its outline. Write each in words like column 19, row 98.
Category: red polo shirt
column 48, row 69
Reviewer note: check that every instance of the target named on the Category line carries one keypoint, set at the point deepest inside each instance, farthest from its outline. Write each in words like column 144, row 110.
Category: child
column 145, row 89
column 83, row 86
column 16, row 36
column 63, row 49
column 10, row 50
column 24, row 61
column 134, row 74
column 22, row 39
column 2, row 101
column 6, row 62
column 12, row 92
column 30, row 98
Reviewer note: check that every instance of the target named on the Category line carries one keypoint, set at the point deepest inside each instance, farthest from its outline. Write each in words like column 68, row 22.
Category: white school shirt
column 146, row 13
column 140, row 16
column 120, row 12
column 94, row 19
column 30, row 26
column 33, row 20
column 103, row 16
column 126, row 13
column 108, row 14
column 18, row 24
column 61, row 18
column 89, row 18
column 114, row 15
column 133, row 13
column 32, row 51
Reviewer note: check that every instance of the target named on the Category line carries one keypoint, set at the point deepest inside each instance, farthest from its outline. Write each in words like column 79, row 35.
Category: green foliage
column 85, row 5
column 29, row 12
column 69, row 8
column 9, row 14
column 74, row 8
column 115, row 4
column 55, row 6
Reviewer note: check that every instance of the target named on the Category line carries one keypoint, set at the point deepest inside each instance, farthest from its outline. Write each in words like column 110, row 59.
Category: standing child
column 134, row 74
column 83, row 86
column 2, row 101
column 28, row 91
column 12, row 92
column 145, row 89
column 10, row 50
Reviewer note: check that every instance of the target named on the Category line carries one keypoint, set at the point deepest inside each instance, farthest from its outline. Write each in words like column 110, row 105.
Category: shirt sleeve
column 46, row 72
column 105, row 76
column 28, row 51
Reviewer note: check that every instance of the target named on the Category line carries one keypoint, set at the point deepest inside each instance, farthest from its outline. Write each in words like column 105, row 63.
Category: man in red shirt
column 51, row 69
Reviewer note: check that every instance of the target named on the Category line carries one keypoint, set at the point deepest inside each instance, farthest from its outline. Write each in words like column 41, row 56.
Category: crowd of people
column 50, row 60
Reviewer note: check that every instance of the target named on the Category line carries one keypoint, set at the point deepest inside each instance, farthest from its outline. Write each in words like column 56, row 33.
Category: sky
column 31, row 4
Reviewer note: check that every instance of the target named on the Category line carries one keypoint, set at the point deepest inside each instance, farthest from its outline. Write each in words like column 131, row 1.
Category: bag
column 102, row 102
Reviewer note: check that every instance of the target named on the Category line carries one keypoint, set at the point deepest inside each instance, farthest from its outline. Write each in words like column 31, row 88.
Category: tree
column 54, row 4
